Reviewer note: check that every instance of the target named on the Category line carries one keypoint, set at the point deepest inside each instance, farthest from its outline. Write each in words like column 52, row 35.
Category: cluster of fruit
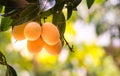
column 38, row 36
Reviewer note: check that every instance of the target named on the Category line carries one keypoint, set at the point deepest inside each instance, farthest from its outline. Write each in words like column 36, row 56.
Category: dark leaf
column 29, row 13
column 58, row 7
column 90, row 3
column 46, row 14
column 69, row 12
column 46, row 4
column 10, row 71
column 13, row 4
column 5, row 23
column 2, row 59
column 1, row 8
column 72, row 5
column 32, row 1
column 75, row 9
column 76, row 3
column 11, row 13
column 59, row 21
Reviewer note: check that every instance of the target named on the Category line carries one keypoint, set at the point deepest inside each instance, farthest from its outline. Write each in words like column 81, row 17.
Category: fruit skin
column 54, row 49
column 32, row 31
column 35, row 46
column 50, row 33
column 18, row 31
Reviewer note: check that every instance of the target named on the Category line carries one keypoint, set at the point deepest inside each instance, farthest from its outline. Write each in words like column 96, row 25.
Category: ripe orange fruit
column 50, row 33
column 32, row 31
column 18, row 31
column 35, row 46
column 54, row 49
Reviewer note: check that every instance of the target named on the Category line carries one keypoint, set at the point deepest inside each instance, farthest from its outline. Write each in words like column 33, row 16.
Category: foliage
column 39, row 10
column 18, row 12
column 89, row 3
column 10, row 71
column 5, row 22
column 91, row 60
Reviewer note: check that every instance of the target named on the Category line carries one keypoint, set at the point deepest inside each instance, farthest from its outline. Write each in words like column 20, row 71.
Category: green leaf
column 46, row 14
column 11, row 13
column 13, row 4
column 69, row 12
column 72, row 5
column 46, row 4
column 76, row 3
column 90, row 3
column 2, row 59
column 10, row 71
column 5, row 23
column 29, row 13
column 1, row 8
column 59, row 21
column 58, row 7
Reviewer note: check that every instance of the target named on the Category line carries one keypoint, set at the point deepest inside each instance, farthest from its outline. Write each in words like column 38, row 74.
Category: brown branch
column 70, row 47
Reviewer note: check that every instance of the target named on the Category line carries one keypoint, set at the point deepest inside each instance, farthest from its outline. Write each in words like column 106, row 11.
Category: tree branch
column 70, row 47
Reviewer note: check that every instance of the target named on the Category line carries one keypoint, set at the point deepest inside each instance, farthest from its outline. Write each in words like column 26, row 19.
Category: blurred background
column 95, row 35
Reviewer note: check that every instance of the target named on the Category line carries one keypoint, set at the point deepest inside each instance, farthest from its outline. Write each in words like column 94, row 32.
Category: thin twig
column 70, row 47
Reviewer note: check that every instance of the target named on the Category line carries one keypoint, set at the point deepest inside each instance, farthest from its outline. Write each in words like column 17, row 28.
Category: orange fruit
column 18, row 31
column 32, row 31
column 50, row 33
column 54, row 49
column 35, row 46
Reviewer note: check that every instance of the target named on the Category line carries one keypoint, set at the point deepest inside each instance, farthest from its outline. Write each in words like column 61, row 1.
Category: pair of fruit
column 38, row 37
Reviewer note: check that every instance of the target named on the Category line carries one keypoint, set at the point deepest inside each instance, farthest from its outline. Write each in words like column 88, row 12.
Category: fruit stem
column 70, row 47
